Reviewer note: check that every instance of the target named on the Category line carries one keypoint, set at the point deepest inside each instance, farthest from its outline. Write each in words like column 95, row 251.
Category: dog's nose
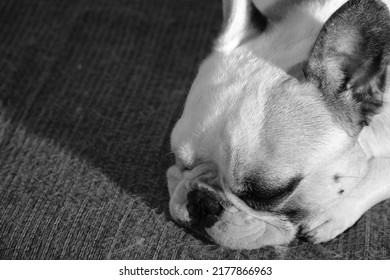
column 203, row 208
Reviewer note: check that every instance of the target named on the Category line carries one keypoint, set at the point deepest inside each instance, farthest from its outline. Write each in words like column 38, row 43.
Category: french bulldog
column 286, row 129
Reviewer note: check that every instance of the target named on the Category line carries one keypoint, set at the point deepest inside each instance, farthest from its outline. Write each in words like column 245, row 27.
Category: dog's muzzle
column 197, row 201
column 193, row 200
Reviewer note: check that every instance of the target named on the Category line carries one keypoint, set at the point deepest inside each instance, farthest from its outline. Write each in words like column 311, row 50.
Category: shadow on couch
column 106, row 82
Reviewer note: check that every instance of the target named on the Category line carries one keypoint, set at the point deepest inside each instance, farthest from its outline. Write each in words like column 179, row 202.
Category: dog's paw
column 330, row 223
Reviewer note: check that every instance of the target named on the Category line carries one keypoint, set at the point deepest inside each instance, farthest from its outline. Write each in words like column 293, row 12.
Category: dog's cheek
column 314, row 193
column 325, row 187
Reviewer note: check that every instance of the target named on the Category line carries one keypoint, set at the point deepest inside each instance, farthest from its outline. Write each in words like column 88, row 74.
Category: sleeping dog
column 286, row 128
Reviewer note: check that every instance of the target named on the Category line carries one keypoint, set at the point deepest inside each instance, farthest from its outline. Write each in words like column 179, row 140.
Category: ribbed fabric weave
column 89, row 92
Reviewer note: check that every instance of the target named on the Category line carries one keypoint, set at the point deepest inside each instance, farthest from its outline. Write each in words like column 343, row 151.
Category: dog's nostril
column 203, row 208
column 210, row 206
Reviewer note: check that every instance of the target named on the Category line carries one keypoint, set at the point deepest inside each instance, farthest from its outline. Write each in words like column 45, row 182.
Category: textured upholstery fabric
column 89, row 91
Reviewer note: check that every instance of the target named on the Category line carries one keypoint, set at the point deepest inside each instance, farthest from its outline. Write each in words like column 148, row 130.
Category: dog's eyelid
column 186, row 168
column 182, row 166
column 180, row 162
column 293, row 183
column 304, row 73
column 253, row 184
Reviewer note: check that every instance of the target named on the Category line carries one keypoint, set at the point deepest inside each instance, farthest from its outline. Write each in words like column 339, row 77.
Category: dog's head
column 269, row 133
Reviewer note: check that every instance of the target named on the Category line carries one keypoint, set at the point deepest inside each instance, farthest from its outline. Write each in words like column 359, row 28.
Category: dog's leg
column 335, row 220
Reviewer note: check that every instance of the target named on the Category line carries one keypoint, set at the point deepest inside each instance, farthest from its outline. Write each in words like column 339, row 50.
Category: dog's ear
column 349, row 60
column 241, row 20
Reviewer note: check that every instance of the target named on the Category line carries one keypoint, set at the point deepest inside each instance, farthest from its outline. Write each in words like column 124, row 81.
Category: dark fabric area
column 89, row 92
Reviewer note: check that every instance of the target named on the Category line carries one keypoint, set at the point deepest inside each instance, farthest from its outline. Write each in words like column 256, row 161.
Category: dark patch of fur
column 203, row 208
column 295, row 215
column 261, row 195
column 258, row 20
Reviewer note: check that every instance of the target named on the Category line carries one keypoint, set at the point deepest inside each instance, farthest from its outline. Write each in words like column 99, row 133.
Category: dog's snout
column 203, row 208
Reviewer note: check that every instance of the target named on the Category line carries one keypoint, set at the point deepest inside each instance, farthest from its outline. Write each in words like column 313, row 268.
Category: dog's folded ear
column 241, row 20
column 349, row 61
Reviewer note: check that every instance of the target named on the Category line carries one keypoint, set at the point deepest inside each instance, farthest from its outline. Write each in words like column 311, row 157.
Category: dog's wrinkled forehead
column 240, row 106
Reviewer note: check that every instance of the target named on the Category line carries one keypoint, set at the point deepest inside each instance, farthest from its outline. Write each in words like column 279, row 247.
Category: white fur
column 236, row 24
column 290, row 40
column 245, row 109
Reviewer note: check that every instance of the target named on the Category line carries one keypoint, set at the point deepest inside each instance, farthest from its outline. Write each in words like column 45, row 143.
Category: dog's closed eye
column 261, row 195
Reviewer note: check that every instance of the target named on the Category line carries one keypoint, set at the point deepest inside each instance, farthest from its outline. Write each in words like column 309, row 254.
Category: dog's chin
column 238, row 230
column 234, row 228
